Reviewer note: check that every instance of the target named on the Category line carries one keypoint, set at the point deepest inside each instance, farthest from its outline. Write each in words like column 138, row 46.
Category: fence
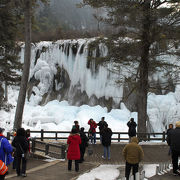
column 54, row 150
column 117, row 136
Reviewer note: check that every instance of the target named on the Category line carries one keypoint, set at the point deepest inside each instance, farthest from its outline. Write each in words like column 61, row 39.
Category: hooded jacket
column 5, row 150
column 106, row 137
column 173, row 137
column 132, row 152
column 93, row 126
column 132, row 128
column 74, row 141
column 20, row 142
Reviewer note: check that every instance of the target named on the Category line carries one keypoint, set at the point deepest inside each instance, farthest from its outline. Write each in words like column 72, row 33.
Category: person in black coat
column 76, row 126
column 84, row 144
column 101, row 125
column 174, row 142
column 168, row 132
column 21, row 145
column 106, row 141
column 132, row 128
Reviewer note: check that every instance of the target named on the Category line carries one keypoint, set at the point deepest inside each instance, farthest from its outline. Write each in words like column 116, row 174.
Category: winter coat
column 173, row 139
column 132, row 128
column 168, row 133
column 76, row 127
column 93, row 126
column 106, row 137
column 101, row 125
column 5, row 150
column 84, row 140
column 132, row 152
column 74, row 141
column 21, row 145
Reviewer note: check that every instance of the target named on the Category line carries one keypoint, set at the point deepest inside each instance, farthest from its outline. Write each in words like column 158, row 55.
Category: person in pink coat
column 73, row 153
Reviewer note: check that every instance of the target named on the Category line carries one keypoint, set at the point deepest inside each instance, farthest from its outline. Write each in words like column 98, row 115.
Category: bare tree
column 26, row 66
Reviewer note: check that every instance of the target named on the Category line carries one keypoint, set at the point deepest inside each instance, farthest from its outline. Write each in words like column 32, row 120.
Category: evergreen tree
column 9, row 60
column 145, row 30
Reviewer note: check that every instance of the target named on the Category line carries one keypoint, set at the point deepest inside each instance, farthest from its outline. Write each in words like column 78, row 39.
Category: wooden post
column 46, row 149
column 33, row 145
column 42, row 134
column 56, row 136
column 164, row 136
column 119, row 136
column 63, row 154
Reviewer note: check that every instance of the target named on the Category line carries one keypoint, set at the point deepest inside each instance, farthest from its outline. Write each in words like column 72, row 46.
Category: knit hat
column 134, row 139
column 2, row 130
column 177, row 123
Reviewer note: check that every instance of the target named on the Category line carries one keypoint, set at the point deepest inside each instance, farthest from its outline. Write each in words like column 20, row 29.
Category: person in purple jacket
column 5, row 151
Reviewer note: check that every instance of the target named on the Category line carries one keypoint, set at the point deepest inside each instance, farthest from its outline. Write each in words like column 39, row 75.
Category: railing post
column 33, row 145
column 56, row 136
column 164, row 136
column 42, row 134
column 149, row 137
column 119, row 136
column 47, row 149
column 63, row 153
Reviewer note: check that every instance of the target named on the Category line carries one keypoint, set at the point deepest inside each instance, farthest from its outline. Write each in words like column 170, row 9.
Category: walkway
column 55, row 170
column 38, row 169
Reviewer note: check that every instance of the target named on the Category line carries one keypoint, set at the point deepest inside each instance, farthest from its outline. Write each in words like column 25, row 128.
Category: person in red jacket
column 73, row 153
column 92, row 130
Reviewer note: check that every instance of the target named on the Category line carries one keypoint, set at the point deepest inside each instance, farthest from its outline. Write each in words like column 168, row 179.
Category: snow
column 55, row 115
column 100, row 83
column 111, row 172
column 103, row 172
column 59, row 116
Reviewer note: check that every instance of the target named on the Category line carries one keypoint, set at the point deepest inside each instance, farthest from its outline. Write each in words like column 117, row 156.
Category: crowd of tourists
column 78, row 141
column 17, row 152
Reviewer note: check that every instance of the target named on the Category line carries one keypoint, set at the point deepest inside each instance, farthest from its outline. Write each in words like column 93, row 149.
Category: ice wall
column 71, row 55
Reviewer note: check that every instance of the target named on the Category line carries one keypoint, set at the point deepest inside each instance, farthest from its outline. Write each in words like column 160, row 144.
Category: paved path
column 167, row 176
column 152, row 153
column 55, row 170
column 38, row 169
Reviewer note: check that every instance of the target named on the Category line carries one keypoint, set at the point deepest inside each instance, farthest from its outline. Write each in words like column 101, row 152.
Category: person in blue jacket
column 5, row 151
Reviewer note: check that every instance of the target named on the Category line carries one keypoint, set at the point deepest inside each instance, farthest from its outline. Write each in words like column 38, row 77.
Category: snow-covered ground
column 111, row 172
column 57, row 115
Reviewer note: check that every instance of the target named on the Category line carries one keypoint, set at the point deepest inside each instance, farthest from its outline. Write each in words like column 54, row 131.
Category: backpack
column 3, row 167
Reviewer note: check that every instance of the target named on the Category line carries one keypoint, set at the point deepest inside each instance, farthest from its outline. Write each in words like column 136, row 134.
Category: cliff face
column 62, row 70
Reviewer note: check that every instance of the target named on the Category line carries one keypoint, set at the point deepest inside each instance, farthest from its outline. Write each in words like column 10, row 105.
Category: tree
column 27, row 5
column 9, row 49
column 146, row 29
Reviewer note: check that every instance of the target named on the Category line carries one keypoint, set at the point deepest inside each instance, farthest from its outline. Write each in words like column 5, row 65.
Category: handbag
column 24, row 155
